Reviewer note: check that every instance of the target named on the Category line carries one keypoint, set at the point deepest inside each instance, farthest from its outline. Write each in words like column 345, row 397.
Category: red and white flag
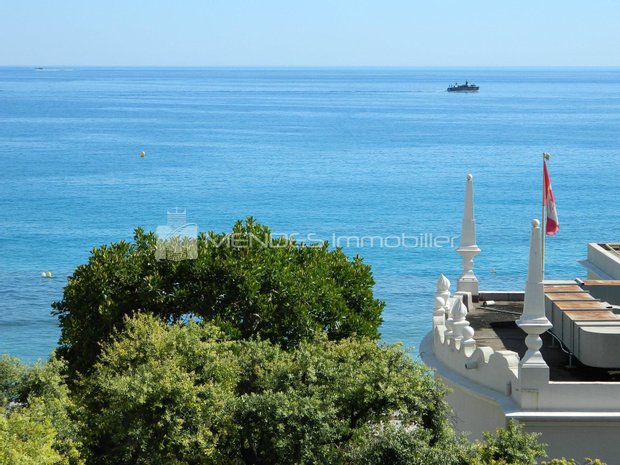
column 552, row 225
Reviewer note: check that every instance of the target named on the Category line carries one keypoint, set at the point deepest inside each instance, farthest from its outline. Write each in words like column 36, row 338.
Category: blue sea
column 319, row 153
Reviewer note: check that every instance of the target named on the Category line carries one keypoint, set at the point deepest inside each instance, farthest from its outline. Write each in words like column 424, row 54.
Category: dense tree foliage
column 36, row 423
column 183, row 394
column 28, row 437
column 510, row 446
column 564, row 461
column 392, row 444
column 247, row 282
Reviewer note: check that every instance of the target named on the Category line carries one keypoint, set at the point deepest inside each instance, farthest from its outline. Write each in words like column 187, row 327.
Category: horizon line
column 36, row 66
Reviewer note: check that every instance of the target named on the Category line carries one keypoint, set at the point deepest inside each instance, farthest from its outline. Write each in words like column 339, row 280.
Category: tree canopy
column 37, row 426
column 247, row 282
column 184, row 394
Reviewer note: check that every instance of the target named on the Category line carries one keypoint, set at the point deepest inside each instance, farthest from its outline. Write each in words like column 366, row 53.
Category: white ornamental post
column 468, row 248
column 449, row 320
column 533, row 371
column 441, row 296
column 459, row 313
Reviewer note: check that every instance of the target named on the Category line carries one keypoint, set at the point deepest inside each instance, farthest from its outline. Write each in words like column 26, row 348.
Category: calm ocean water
column 317, row 152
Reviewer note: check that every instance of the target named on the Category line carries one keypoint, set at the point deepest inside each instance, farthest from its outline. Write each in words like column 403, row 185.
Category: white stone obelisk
column 468, row 248
column 533, row 371
column 533, row 320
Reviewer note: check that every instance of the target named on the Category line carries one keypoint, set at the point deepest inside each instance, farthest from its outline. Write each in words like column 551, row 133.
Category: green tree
column 306, row 405
column 27, row 437
column 37, row 420
column 184, row 394
column 510, row 446
column 246, row 282
column 564, row 461
column 159, row 394
column 12, row 374
column 394, row 445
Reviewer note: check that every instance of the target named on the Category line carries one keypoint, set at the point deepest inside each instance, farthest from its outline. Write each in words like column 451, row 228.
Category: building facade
column 548, row 356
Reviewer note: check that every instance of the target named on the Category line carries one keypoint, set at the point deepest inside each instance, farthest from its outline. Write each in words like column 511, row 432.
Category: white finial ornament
column 442, row 294
column 468, row 248
column 443, row 286
column 459, row 312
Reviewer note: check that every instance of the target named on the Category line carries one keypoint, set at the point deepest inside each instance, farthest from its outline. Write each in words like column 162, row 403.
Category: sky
column 309, row 33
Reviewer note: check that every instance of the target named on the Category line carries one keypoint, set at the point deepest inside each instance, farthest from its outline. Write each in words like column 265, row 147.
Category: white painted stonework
column 468, row 248
column 601, row 263
column 575, row 419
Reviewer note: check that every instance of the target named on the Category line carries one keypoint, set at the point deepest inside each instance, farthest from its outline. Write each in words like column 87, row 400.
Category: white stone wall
column 578, row 420
column 601, row 263
column 475, row 408
column 578, row 437
column 473, row 413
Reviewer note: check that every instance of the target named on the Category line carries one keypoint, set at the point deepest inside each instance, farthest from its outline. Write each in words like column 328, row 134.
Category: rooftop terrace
column 496, row 328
